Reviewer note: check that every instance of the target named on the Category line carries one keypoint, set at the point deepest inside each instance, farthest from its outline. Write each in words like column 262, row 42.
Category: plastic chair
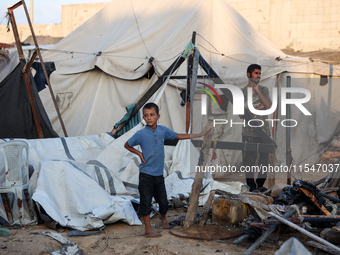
column 15, row 157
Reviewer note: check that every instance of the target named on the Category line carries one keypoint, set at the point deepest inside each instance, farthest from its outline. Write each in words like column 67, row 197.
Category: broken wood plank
column 207, row 207
column 315, row 201
column 322, row 247
column 307, row 233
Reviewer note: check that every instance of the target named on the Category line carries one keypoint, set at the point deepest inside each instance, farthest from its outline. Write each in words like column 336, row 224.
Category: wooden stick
column 207, row 207
column 307, row 233
column 322, row 247
column 315, row 201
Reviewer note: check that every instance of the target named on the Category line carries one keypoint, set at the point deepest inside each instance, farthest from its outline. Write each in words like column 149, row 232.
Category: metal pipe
column 288, row 149
column 334, row 199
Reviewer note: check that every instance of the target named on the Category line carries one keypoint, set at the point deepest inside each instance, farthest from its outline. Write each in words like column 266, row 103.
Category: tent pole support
column 146, row 96
column 26, row 75
column 44, row 69
column 288, row 148
column 189, row 81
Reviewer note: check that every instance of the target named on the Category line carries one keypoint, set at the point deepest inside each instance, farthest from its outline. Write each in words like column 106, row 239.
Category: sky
column 44, row 12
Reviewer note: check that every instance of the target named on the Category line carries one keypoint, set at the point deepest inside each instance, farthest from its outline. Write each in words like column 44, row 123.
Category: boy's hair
column 150, row 106
column 252, row 67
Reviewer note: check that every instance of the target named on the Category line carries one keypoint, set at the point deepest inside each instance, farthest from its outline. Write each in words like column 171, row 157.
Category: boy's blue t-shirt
column 152, row 144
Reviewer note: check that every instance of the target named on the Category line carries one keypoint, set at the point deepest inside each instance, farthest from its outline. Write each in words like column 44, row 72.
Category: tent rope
column 140, row 33
column 298, row 63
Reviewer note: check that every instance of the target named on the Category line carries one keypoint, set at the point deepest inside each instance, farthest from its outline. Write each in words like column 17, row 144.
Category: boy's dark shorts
column 152, row 186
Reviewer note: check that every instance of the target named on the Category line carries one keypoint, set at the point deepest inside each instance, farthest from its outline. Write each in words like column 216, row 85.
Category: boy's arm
column 133, row 150
column 188, row 136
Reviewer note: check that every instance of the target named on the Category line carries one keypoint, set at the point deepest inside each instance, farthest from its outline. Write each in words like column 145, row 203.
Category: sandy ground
column 120, row 238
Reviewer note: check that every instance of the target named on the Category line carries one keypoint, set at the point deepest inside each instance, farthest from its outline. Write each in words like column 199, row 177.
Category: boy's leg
column 162, row 200
column 146, row 189
column 148, row 229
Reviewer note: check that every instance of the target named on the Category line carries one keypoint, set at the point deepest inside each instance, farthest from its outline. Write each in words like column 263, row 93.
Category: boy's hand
column 141, row 157
column 205, row 130
column 133, row 150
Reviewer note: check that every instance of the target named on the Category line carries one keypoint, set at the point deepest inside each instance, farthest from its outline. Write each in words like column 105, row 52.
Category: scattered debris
column 67, row 248
column 292, row 246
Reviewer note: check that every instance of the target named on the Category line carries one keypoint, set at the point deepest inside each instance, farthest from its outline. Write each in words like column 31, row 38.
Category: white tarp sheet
column 86, row 182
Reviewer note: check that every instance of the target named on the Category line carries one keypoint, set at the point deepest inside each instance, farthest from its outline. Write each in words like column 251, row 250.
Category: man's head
column 151, row 114
column 254, row 73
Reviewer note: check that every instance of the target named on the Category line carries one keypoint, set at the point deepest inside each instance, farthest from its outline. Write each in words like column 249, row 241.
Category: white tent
column 112, row 59
column 103, row 66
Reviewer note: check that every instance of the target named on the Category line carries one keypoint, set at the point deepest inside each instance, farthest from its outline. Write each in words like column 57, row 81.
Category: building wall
column 302, row 25
column 72, row 17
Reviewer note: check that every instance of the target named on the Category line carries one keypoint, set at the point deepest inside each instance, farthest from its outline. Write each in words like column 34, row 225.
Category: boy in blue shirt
column 151, row 180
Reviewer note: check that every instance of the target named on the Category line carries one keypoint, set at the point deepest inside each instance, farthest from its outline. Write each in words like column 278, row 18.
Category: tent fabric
column 292, row 246
column 85, row 182
column 16, row 114
column 104, row 66
column 7, row 67
column 126, row 34
column 92, row 102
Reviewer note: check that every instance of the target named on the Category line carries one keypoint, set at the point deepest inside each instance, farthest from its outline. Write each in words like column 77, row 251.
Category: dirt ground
column 120, row 238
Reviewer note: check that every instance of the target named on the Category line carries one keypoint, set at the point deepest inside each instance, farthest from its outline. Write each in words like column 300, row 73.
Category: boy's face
column 151, row 117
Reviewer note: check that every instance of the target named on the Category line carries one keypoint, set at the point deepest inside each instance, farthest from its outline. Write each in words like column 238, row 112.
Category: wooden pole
column 195, row 191
column 322, row 247
column 288, row 149
column 25, row 74
column 189, row 81
column 44, row 70
column 315, row 201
